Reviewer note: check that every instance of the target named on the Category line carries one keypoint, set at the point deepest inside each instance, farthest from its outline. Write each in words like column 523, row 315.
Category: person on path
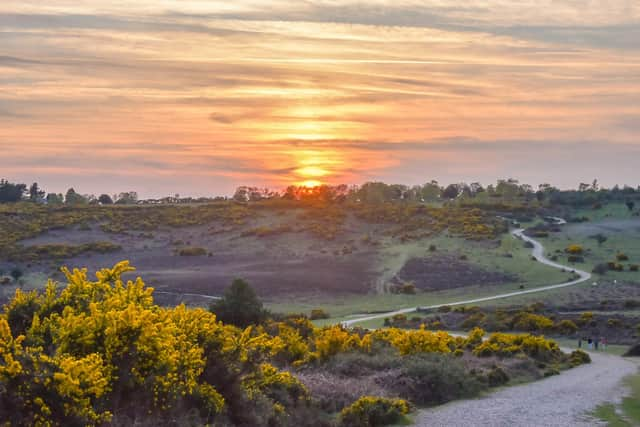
column 595, row 343
column 590, row 342
column 579, row 342
column 603, row 343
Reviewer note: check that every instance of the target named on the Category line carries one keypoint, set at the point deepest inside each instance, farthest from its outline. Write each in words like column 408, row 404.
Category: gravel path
column 562, row 400
column 537, row 252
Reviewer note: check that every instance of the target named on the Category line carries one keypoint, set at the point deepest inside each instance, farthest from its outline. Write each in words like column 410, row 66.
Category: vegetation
column 192, row 251
column 369, row 411
column 102, row 351
column 239, row 306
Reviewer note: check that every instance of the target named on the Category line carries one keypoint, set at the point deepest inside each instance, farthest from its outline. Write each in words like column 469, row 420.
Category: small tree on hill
column 105, row 199
column 239, row 306
column 16, row 273
column 630, row 205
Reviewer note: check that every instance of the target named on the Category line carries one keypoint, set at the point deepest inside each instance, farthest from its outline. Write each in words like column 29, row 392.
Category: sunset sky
column 197, row 97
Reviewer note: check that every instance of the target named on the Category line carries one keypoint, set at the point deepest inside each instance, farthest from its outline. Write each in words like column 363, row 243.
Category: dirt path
column 537, row 252
column 562, row 400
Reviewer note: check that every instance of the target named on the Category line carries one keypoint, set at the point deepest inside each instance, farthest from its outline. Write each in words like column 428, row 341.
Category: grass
column 623, row 236
column 626, row 413
column 530, row 275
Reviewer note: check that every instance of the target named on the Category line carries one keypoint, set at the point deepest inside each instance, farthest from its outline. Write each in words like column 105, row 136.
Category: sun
column 311, row 183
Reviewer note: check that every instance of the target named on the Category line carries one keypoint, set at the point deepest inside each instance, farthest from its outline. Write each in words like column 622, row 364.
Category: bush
column 600, row 269
column 432, row 248
column 192, row 251
column 574, row 249
column 239, row 305
column 622, row 257
column 318, row 313
column 614, row 266
column 634, row 351
column 567, row 327
column 429, row 379
column 575, row 258
column 497, row 377
column 371, row 411
column 578, row 357
column 16, row 273
column 633, row 267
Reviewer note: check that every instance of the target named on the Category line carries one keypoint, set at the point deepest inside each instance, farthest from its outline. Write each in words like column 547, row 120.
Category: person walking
column 595, row 343
column 603, row 343
column 579, row 342
column 590, row 343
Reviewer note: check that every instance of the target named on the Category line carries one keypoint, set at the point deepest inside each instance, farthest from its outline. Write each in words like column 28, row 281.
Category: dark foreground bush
column 371, row 411
column 429, row 379
column 634, row 351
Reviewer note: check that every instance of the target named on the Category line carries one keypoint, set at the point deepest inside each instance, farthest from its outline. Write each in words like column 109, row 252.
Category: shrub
column 429, row 379
column 239, row 306
column 622, row 257
column 566, row 327
column 371, row 411
column 633, row 267
column 614, row 323
column 497, row 377
column 600, row 269
column 531, row 322
column 574, row 249
column 579, row 357
column 192, row 251
column 16, row 273
column 575, row 258
column 444, row 309
column 318, row 313
column 614, row 266
column 432, row 248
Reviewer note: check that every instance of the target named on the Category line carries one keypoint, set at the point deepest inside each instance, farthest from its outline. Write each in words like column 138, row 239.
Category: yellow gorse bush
column 80, row 353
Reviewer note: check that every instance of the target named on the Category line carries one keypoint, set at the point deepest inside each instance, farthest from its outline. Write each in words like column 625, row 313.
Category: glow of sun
column 311, row 183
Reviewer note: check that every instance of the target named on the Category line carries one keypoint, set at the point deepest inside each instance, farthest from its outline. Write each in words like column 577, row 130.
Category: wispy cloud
column 218, row 94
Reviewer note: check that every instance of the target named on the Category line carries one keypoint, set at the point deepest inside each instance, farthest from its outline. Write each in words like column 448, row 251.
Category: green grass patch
column 626, row 413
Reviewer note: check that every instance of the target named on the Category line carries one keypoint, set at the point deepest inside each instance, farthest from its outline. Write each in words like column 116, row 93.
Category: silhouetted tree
column 55, row 199
column 239, row 305
column 105, row 199
column 16, row 273
column 451, row 192
column 10, row 192
column 630, row 205
column 73, row 198
column 35, row 193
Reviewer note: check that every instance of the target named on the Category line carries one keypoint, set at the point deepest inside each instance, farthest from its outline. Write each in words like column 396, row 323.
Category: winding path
column 537, row 252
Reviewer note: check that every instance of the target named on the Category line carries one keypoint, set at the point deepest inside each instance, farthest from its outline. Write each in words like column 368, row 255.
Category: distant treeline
column 506, row 190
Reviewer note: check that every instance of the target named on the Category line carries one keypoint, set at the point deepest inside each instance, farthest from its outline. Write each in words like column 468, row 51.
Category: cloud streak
column 217, row 95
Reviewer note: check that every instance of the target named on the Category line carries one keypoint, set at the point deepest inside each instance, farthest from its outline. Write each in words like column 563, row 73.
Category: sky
column 198, row 97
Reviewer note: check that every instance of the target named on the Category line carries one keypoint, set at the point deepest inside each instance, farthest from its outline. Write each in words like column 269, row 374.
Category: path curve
column 537, row 252
column 561, row 400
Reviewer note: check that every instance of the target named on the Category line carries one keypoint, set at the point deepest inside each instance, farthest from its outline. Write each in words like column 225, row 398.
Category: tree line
column 17, row 192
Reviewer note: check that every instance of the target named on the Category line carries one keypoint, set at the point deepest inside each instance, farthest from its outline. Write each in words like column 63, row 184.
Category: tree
column 630, row 205
column 127, row 198
column 10, row 193
column 73, row 198
column 239, row 305
column 105, row 199
column 16, row 273
column 451, row 192
column 35, row 193
column 55, row 199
